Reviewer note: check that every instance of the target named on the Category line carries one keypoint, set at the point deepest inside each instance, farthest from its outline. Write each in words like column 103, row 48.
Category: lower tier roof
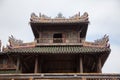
column 60, row 49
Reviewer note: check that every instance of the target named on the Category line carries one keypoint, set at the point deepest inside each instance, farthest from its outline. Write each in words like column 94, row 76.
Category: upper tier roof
column 59, row 19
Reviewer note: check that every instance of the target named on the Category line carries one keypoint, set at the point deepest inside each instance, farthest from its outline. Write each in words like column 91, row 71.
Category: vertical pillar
column 18, row 64
column 78, row 64
column 31, row 78
column 78, row 37
column 63, row 38
column 36, row 65
column 40, row 64
column 81, row 65
column 83, row 78
column 40, row 36
column 99, row 65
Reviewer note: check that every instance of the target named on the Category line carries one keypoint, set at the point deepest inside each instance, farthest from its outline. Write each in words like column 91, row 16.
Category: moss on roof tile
column 59, row 49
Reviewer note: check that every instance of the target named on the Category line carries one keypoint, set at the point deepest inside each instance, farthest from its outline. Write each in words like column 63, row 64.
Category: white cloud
column 105, row 17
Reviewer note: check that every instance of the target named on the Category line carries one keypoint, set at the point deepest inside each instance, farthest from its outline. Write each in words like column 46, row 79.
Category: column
column 99, row 70
column 63, row 38
column 31, row 78
column 36, row 65
column 81, row 65
column 40, row 36
column 78, row 37
column 18, row 64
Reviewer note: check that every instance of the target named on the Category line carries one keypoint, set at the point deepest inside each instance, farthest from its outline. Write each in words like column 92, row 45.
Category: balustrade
column 58, row 40
column 62, row 76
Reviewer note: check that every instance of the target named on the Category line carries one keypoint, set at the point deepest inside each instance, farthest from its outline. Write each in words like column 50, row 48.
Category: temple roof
column 59, row 49
column 59, row 18
column 98, row 46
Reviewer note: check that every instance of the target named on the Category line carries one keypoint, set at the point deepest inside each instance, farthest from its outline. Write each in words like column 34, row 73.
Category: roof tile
column 58, row 49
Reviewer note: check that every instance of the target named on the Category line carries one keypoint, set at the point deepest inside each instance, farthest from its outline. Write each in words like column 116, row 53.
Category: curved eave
column 59, row 22
column 104, row 57
column 60, row 50
column 2, row 53
column 63, row 50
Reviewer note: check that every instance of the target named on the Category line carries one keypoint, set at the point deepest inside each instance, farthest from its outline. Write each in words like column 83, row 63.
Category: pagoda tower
column 59, row 47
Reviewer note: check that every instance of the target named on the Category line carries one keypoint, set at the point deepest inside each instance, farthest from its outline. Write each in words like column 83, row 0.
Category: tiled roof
column 59, row 49
column 77, row 18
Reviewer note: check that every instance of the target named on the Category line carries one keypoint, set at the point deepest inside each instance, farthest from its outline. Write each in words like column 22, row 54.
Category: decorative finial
column 33, row 15
column 78, row 13
column 39, row 14
column 84, row 17
column 13, row 41
column 60, row 15
column 85, row 14
column 103, row 41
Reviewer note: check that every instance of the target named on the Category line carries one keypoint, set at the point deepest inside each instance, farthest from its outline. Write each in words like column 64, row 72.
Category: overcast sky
column 104, row 18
